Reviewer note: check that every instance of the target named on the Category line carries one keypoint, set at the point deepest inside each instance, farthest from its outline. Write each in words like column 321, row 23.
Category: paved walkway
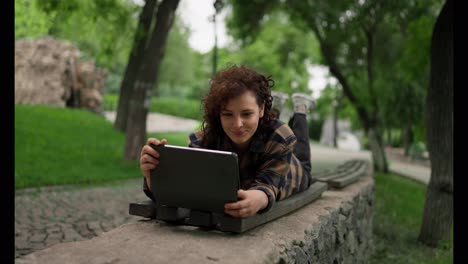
column 49, row 215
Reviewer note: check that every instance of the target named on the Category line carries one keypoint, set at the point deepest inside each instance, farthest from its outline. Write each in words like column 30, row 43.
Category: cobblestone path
column 51, row 215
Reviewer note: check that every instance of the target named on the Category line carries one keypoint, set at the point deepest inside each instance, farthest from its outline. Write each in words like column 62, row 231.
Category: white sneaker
column 303, row 103
column 279, row 99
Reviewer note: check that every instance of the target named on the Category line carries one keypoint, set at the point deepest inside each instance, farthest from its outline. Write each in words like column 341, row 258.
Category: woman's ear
column 262, row 110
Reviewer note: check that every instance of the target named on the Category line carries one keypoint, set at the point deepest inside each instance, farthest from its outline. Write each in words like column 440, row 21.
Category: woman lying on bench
column 242, row 116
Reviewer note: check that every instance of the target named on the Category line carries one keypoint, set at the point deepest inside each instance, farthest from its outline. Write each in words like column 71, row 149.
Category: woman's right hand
column 149, row 158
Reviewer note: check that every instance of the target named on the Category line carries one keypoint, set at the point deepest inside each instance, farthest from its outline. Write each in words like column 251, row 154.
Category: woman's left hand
column 251, row 201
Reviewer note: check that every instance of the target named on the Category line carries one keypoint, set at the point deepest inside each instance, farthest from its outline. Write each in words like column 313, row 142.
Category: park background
column 375, row 61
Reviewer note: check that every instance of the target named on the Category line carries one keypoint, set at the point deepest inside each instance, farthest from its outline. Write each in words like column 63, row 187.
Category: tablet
column 195, row 178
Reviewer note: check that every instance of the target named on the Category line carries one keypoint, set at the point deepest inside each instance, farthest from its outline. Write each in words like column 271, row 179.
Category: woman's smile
column 240, row 117
column 239, row 133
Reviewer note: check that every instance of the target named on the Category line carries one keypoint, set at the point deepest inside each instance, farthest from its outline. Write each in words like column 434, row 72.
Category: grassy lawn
column 182, row 107
column 399, row 204
column 57, row 146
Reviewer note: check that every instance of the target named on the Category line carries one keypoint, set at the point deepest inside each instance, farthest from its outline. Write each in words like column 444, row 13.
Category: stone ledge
column 337, row 227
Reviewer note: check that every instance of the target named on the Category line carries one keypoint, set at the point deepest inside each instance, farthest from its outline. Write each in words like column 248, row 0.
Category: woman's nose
column 238, row 122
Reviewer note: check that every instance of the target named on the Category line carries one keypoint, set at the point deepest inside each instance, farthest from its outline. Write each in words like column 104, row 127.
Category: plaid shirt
column 269, row 165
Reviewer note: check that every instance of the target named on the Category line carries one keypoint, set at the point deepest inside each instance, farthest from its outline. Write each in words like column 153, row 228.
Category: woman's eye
column 226, row 114
column 247, row 114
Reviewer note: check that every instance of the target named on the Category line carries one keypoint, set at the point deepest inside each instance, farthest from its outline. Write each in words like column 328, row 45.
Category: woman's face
column 240, row 118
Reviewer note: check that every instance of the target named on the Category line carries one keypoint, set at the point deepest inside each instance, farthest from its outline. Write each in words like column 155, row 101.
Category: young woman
column 274, row 158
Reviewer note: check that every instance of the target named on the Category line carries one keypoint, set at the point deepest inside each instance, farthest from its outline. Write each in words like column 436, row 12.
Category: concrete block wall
column 336, row 228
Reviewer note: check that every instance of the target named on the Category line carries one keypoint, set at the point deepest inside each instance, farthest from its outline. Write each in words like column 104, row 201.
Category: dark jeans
column 298, row 124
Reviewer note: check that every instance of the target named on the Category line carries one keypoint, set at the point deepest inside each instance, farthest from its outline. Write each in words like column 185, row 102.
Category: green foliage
column 110, row 102
column 177, row 66
column 325, row 107
column 399, row 204
column 114, row 79
column 417, row 149
column 101, row 29
column 56, row 146
column 241, row 23
column 399, row 31
column 315, row 129
column 30, row 21
column 279, row 49
column 202, row 73
column 187, row 108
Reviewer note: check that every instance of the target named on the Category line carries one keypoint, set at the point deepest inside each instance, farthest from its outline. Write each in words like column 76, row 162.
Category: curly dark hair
column 228, row 84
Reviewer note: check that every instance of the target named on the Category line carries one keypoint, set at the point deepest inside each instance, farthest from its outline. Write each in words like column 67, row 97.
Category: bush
column 315, row 129
column 417, row 150
column 181, row 107
column 110, row 102
column 187, row 108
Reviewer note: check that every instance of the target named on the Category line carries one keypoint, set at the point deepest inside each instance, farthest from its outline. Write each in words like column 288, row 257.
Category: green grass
column 181, row 107
column 56, row 146
column 174, row 138
column 398, row 213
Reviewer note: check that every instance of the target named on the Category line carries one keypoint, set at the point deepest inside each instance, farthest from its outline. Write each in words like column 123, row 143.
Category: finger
column 154, row 141
column 242, row 194
column 149, row 165
column 233, row 213
column 232, row 206
column 238, row 205
column 163, row 141
column 149, row 151
column 245, row 212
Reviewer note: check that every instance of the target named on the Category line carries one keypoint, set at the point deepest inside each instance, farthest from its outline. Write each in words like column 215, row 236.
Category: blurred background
column 95, row 78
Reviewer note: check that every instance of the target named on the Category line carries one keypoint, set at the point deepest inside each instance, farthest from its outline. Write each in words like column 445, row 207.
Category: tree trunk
column 369, row 123
column 438, row 209
column 139, row 47
column 336, row 111
column 335, row 126
column 379, row 158
column 408, row 138
column 147, row 78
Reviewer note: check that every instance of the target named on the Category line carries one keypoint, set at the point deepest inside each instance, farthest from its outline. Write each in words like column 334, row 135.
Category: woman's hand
column 149, row 158
column 251, row 202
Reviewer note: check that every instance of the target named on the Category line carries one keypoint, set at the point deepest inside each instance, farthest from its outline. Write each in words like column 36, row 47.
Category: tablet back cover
column 195, row 178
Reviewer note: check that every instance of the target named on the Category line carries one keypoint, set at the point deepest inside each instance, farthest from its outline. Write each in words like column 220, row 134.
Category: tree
column 177, row 67
column 30, row 21
column 438, row 208
column 279, row 49
column 136, row 56
column 146, row 78
column 348, row 33
column 99, row 28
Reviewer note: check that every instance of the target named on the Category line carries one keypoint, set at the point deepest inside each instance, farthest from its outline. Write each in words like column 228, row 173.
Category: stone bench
column 334, row 228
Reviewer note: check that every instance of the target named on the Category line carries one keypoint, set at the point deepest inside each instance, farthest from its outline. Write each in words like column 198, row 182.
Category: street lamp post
column 218, row 4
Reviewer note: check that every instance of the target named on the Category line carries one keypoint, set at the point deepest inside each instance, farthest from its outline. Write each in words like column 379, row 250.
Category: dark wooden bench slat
column 348, row 179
